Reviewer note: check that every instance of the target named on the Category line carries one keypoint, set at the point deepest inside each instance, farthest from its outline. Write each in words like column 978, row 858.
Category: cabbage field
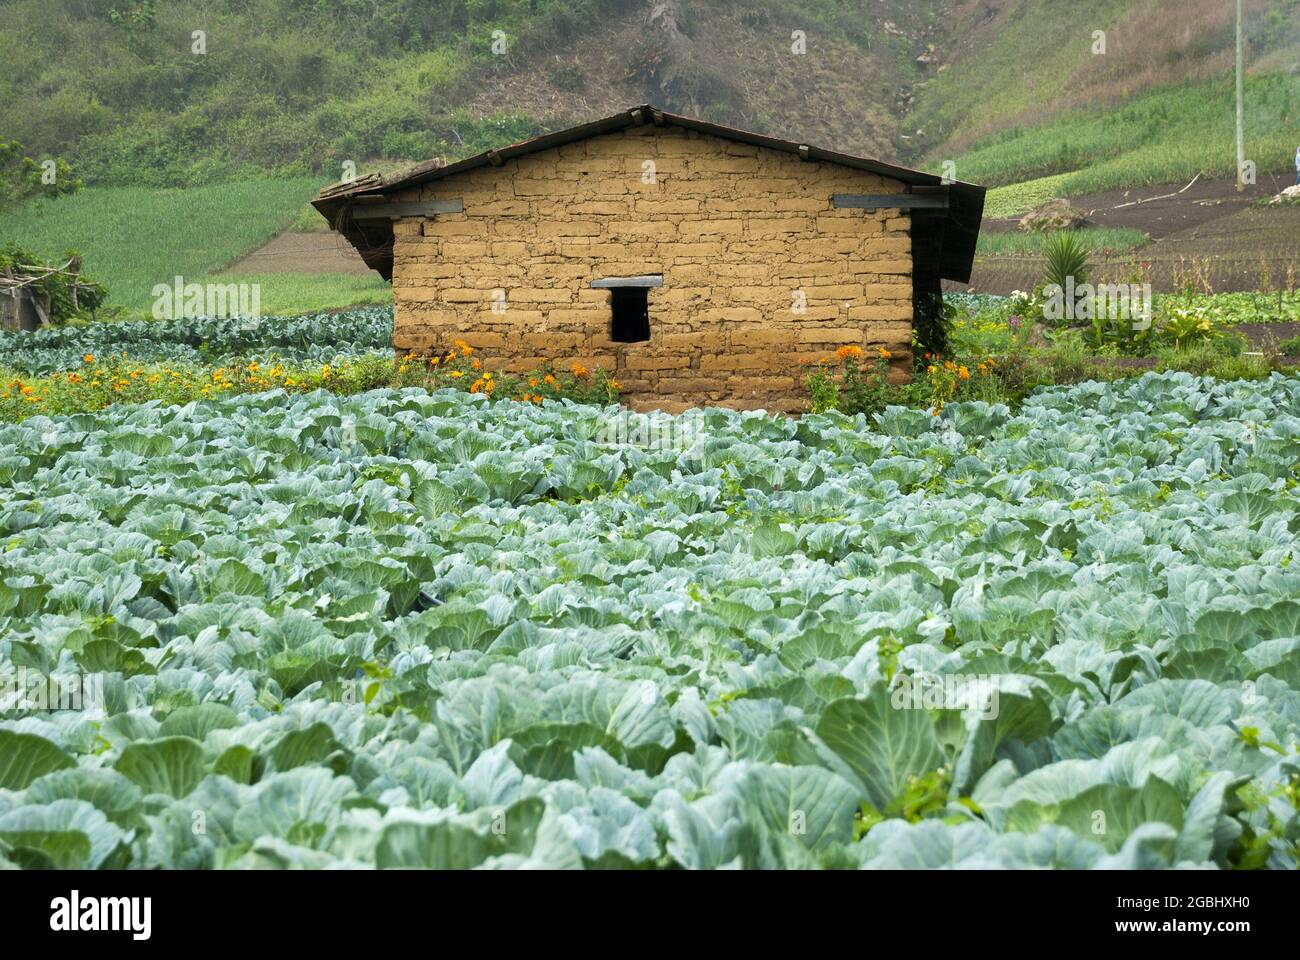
column 405, row 629
column 319, row 337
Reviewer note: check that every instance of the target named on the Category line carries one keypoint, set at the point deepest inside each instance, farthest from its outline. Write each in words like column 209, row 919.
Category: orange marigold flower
column 532, row 381
column 88, row 358
column 848, row 350
column 549, row 379
column 477, row 365
column 885, row 354
column 579, row 370
column 963, row 373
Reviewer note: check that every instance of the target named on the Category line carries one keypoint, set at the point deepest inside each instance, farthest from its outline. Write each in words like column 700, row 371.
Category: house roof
column 952, row 232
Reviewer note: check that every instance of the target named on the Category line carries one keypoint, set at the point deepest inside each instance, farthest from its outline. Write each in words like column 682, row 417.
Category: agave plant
column 1067, row 257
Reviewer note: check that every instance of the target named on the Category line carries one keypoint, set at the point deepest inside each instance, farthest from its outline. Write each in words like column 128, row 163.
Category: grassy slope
column 1162, row 136
column 1158, row 107
column 134, row 237
column 288, row 294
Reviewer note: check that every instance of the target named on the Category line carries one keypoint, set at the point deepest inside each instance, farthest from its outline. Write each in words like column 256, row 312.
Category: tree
column 22, row 177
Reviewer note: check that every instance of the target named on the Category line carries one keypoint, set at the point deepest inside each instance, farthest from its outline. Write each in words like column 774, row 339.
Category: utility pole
column 1241, row 104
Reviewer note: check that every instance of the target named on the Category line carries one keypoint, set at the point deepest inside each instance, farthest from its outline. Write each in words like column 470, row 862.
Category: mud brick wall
column 737, row 231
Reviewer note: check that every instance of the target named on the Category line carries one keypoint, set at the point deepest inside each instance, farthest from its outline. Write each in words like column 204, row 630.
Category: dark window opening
column 631, row 309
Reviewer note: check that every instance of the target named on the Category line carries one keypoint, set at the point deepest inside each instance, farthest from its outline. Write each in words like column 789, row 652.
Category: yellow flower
column 477, row 365
column 963, row 373
column 457, row 374
column 27, row 391
column 932, row 369
column 487, row 376
column 848, row 350
column 325, row 371
column 253, row 367
column 885, row 354
column 436, row 360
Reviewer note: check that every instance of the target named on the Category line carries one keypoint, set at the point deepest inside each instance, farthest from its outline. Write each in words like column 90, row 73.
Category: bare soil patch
column 304, row 253
column 1208, row 235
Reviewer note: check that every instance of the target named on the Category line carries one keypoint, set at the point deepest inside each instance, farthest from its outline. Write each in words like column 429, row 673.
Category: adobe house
column 701, row 265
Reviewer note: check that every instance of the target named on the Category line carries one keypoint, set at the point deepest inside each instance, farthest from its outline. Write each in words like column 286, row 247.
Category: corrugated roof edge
column 960, row 226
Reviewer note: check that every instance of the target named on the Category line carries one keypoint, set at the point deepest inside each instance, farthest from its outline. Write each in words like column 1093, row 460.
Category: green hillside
column 1011, row 89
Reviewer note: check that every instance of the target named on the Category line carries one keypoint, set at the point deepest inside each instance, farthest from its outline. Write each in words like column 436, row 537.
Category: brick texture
column 761, row 275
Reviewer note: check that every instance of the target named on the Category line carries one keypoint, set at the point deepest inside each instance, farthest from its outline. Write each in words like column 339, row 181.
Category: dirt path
column 304, row 253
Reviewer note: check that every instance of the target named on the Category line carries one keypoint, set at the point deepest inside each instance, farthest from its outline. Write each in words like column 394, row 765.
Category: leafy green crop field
column 1098, row 239
column 317, row 337
column 406, row 629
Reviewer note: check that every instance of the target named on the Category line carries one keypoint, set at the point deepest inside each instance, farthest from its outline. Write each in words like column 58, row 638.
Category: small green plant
column 1067, row 258
column 1187, row 325
column 823, row 391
